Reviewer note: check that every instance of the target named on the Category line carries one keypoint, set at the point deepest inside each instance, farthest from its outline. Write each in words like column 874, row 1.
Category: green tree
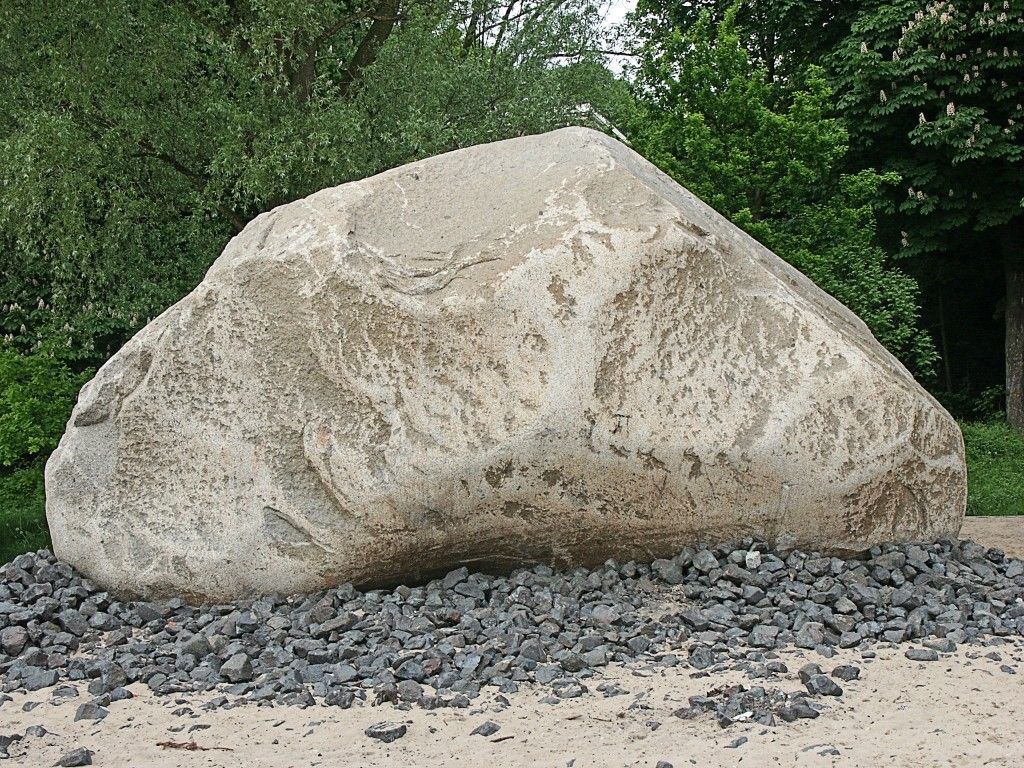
column 37, row 392
column 781, row 37
column 935, row 93
column 768, row 155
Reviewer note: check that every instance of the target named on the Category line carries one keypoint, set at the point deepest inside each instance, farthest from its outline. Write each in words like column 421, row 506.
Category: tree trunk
column 384, row 19
column 1013, row 260
column 945, row 341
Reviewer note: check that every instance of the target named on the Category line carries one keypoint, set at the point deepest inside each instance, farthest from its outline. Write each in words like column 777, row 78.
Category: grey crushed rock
column 76, row 757
column 386, row 732
column 846, row 672
column 90, row 711
column 487, row 728
column 823, row 685
column 439, row 644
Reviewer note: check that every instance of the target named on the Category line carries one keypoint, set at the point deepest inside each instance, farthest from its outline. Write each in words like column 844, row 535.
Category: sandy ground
column 1005, row 533
column 963, row 710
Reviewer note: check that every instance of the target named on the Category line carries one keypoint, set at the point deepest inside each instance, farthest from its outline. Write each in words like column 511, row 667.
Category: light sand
column 1005, row 533
column 959, row 711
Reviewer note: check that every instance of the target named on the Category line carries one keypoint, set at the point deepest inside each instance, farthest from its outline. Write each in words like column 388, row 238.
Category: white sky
column 617, row 10
column 616, row 13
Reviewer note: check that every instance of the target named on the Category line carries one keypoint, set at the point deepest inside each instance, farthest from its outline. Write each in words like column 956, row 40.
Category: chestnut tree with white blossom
column 935, row 92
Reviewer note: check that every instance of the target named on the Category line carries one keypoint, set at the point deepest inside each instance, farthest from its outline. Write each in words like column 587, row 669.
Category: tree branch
column 369, row 47
column 581, row 51
column 198, row 180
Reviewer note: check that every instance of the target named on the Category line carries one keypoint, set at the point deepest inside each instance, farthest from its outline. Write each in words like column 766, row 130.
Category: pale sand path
column 960, row 711
column 1005, row 533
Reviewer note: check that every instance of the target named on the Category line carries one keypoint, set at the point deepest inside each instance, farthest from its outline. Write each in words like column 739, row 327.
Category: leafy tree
column 36, row 395
column 767, row 155
column 935, row 93
column 137, row 137
column 781, row 37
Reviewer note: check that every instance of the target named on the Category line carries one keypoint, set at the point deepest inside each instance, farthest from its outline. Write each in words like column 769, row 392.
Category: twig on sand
column 191, row 746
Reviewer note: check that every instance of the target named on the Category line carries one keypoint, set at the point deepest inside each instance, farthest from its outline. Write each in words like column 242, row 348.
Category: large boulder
column 541, row 349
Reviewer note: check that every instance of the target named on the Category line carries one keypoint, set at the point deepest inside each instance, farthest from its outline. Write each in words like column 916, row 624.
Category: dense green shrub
column 995, row 469
column 37, row 392
column 22, row 511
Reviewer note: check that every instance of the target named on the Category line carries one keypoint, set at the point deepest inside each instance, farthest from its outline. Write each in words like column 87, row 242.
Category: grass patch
column 22, row 511
column 995, row 469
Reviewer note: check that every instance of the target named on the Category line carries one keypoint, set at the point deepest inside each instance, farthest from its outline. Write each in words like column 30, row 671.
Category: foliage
column 995, row 469
column 935, row 93
column 781, row 37
column 36, row 395
column 986, row 406
column 22, row 514
column 768, row 155
column 37, row 392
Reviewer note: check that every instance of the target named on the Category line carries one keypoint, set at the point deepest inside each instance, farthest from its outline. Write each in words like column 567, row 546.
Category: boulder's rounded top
column 422, row 223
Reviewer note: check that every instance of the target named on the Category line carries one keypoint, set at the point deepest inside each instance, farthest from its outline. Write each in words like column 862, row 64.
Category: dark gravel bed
column 437, row 645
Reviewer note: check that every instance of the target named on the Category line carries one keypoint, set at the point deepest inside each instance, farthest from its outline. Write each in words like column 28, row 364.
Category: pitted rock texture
column 541, row 349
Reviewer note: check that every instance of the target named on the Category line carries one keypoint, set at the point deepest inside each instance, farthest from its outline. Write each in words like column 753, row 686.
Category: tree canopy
column 935, row 93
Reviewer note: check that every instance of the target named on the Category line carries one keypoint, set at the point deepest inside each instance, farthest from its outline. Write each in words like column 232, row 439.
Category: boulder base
column 541, row 349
